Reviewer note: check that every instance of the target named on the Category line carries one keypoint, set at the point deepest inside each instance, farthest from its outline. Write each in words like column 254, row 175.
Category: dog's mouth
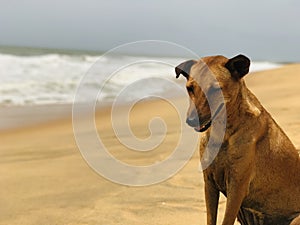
column 205, row 125
column 203, row 128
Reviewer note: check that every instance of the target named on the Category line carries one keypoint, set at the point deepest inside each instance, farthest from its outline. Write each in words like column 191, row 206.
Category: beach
column 45, row 180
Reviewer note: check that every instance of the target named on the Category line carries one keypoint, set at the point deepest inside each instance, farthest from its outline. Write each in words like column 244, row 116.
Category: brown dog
column 257, row 167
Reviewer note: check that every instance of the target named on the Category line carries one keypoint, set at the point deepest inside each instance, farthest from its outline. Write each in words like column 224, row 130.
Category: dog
column 256, row 167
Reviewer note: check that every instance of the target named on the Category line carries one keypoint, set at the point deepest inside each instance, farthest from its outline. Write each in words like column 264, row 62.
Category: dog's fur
column 257, row 167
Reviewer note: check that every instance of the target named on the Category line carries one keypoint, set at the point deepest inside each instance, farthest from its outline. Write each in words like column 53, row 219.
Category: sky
column 261, row 29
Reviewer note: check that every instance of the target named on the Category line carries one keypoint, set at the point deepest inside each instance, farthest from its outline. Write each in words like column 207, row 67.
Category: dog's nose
column 192, row 121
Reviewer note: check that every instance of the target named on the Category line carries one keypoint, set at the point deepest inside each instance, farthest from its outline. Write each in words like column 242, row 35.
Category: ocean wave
column 54, row 78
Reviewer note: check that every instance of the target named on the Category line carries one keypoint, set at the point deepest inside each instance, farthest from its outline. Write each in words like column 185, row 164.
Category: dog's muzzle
column 201, row 125
column 198, row 124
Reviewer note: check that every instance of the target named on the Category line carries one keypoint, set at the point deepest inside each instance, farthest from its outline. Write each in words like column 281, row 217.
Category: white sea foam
column 260, row 66
column 54, row 78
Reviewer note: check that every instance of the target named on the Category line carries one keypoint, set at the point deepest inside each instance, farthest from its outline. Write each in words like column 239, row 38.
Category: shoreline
column 15, row 117
column 22, row 117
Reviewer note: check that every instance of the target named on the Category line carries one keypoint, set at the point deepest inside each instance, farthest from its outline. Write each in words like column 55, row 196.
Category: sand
column 45, row 180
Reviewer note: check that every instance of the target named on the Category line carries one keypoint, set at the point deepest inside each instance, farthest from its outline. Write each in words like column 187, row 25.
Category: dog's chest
column 217, row 172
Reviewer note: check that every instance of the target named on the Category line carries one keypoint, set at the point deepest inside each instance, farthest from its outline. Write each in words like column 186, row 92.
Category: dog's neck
column 244, row 106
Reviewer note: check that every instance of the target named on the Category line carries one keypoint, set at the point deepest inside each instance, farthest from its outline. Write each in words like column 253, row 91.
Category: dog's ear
column 238, row 66
column 184, row 68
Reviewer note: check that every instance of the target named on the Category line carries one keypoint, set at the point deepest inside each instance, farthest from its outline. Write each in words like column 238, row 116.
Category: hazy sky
column 262, row 29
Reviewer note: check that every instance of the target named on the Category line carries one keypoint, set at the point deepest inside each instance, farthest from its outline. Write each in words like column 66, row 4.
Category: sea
column 42, row 77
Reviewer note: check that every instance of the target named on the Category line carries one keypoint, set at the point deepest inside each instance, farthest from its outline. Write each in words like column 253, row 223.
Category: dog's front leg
column 212, row 200
column 237, row 190
column 234, row 201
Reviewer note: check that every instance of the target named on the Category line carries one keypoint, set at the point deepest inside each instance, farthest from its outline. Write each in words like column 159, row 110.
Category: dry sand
column 44, row 179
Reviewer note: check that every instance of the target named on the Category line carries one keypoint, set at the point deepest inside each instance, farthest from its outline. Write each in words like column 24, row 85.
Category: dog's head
column 212, row 83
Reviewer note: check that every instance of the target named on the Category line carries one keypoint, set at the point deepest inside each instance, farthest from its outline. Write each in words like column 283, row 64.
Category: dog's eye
column 190, row 89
